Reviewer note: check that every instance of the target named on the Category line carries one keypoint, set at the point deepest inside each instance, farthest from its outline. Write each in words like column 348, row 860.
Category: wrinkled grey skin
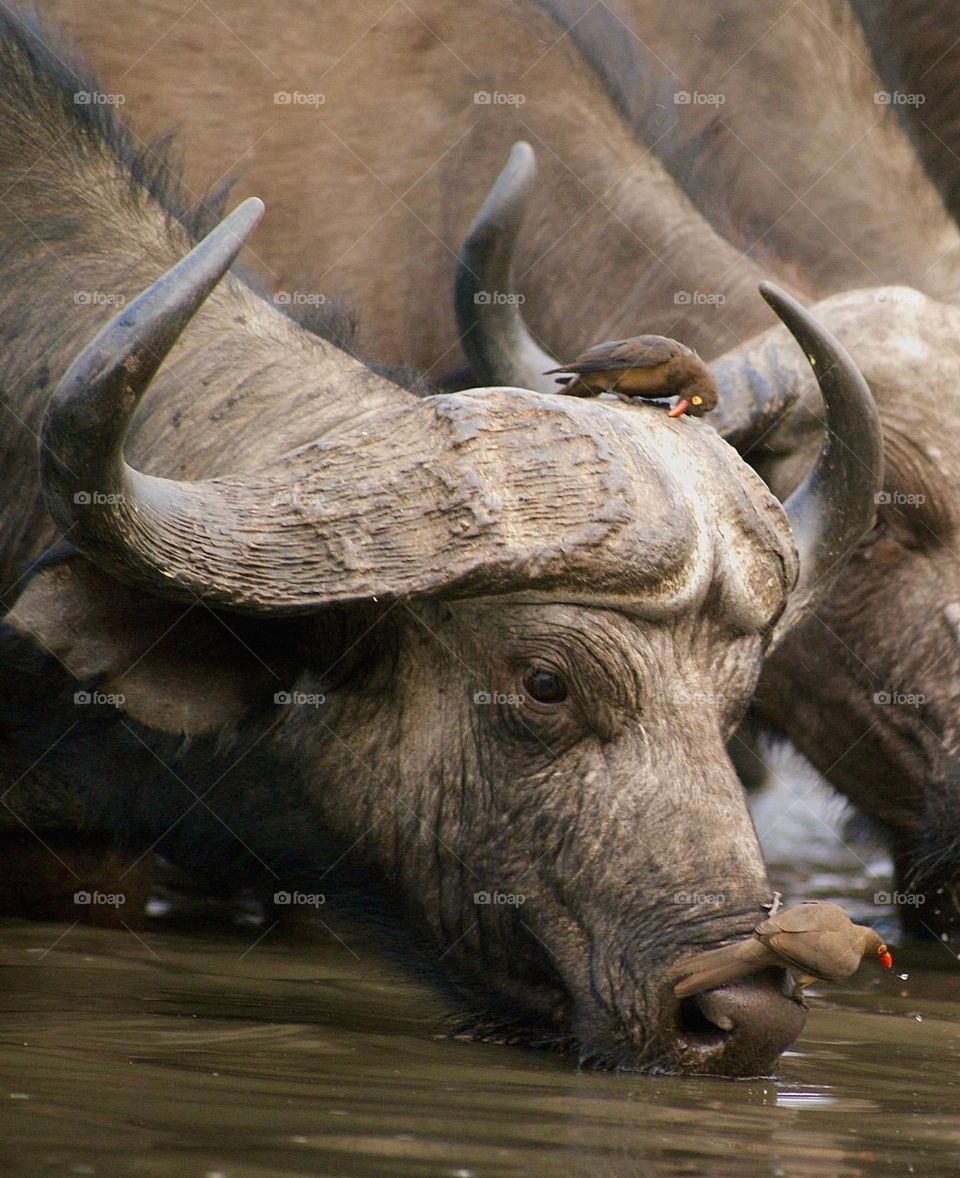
column 559, row 806
column 634, row 555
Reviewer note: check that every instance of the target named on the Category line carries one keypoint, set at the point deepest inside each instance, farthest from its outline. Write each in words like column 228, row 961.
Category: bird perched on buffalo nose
column 814, row 940
column 647, row 366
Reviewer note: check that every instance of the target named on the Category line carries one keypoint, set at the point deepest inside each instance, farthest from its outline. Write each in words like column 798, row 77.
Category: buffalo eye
column 546, row 687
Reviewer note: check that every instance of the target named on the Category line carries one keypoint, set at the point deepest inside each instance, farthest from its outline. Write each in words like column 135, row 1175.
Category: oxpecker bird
column 647, row 366
column 814, row 940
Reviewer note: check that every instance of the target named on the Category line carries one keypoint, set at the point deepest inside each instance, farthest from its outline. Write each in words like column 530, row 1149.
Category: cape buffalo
column 478, row 646
column 801, row 163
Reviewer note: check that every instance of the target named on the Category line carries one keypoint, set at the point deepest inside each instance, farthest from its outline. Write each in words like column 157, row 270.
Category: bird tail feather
column 716, row 966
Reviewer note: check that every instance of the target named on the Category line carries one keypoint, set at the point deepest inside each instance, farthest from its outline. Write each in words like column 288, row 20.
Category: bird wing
column 706, row 970
column 815, row 938
column 808, row 917
column 825, row 953
column 812, row 916
column 640, row 351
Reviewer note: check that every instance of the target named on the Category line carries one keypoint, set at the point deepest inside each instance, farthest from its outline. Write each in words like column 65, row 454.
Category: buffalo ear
column 178, row 668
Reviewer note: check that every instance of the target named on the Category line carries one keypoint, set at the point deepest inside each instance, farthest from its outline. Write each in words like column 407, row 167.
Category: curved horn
column 81, row 446
column 495, row 338
column 834, row 505
column 435, row 499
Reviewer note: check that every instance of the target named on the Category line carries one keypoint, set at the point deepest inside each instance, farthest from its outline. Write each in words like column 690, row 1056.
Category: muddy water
column 190, row 1055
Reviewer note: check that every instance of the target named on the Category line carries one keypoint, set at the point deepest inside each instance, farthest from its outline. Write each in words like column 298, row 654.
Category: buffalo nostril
column 696, row 1028
column 739, row 1030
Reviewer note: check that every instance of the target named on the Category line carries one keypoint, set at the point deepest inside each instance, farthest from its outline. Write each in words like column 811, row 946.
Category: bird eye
column 546, row 687
column 696, row 400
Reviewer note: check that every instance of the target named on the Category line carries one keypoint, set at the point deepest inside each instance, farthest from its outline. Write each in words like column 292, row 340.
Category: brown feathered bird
column 815, row 940
column 648, row 366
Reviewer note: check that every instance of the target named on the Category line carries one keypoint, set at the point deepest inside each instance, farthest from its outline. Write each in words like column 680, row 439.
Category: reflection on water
column 173, row 1054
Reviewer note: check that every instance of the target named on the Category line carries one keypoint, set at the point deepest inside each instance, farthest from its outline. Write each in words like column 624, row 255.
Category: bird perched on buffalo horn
column 815, row 940
column 648, row 366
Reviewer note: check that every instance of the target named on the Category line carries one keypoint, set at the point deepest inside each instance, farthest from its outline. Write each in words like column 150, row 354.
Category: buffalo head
column 868, row 686
column 533, row 623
